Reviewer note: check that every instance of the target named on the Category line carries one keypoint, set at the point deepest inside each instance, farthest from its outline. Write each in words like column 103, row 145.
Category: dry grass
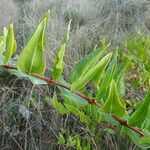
column 8, row 13
column 93, row 20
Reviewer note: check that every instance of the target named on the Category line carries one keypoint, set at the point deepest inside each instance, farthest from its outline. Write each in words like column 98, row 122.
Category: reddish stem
column 89, row 100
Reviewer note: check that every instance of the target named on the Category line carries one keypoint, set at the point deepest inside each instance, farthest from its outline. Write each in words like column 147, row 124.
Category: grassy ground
column 26, row 120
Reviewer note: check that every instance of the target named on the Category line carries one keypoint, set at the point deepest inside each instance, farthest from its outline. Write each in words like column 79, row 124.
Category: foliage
column 35, row 49
column 102, row 69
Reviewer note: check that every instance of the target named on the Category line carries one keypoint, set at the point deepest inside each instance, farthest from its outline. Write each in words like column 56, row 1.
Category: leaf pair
column 116, row 72
column 32, row 59
column 89, row 67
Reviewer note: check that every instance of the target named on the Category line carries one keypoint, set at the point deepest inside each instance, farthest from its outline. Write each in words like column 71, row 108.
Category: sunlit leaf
column 59, row 63
column 31, row 59
column 10, row 45
column 101, row 65
column 113, row 104
column 108, row 76
column 80, row 69
column 119, row 77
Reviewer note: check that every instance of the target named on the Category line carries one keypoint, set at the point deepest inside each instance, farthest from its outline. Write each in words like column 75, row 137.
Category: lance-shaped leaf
column 119, row 77
column 113, row 103
column 2, row 48
column 59, row 63
column 72, row 96
column 78, row 84
column 31, row 59
column 146, row 124
column 145, row 142
column 21, row 75
column 10, row 44
column 86, row 63
column 139, row 116
column 135, row 137
column 109, row 74
column 58, row 106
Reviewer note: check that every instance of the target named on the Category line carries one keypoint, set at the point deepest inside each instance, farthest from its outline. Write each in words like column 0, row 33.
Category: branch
column 49, row 81
column 91, row 101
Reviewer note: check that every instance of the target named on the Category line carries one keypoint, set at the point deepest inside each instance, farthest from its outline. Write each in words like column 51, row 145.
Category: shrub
column 104, row 105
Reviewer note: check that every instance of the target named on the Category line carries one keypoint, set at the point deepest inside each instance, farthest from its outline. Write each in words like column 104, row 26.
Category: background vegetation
column 41, row 126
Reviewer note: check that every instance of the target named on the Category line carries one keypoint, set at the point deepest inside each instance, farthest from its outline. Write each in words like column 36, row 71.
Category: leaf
column 146, row 124
column 119, row 77
column 113, row 103
column 142, row 142
column 31, row 59
column 91, row 73
column 145, row 142
column 139, row 116
column 21, row 75
column 108, row 76
column 61, row 139
column 135, row 137
column 10, row 45
column 58, row 106
column 2, row 48
column 93, row 112
column 75, row 110
column 59, row 63
column 107, row 117
column 72, row 96
column 80, row 69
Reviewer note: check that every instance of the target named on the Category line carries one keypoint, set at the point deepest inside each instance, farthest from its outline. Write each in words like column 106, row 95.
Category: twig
column 91, row 101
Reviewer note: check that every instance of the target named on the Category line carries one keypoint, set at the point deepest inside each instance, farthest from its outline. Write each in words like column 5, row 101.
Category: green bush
column 102, row 103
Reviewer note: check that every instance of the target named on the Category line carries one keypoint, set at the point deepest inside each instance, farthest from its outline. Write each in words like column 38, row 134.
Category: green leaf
column 10, row 45
column 31, row 59
column 2, row 48
column 108, row 76
column 61, row 139
column 91, row 73
column 142, row 142
column 75, row 110
column 93, row 112
column 113, row 104
column 59, row 63
column 139, row 116
column 119, row 77
column 145, row 142
column 83, row 66
column 135, row 137
column 146, row 124
column 58, row 106
column 72, row 96
column 21, row 75
column 107, row 117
